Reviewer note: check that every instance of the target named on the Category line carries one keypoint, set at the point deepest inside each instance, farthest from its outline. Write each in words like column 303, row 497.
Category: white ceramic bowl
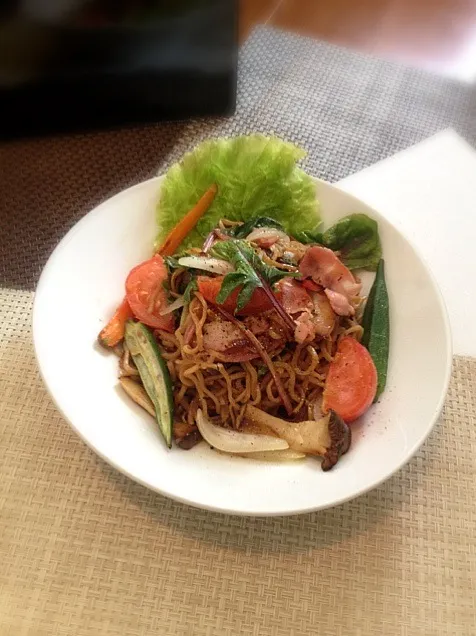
column 82, row 284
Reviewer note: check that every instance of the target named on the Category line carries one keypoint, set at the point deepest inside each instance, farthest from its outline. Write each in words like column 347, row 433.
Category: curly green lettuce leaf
column 356, row 238
column 256, row 176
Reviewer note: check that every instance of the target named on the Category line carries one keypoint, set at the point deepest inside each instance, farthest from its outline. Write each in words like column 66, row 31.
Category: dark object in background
column 79, row 64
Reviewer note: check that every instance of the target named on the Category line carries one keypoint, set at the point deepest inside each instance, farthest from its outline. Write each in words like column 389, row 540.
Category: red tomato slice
column 209, row 288
column 146, row 294
column 351, row 383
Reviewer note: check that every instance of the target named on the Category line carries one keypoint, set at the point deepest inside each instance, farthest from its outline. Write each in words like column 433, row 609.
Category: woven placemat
column 85, row 551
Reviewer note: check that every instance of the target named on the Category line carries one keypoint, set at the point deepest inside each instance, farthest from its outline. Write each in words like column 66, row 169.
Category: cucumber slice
column 154, row 374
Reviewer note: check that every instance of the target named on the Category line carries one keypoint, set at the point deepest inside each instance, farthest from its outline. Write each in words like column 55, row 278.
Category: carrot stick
column 189, row 221
column 113, row 332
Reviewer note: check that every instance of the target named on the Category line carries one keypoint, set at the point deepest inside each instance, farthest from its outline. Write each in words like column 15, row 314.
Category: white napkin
column 429, row 192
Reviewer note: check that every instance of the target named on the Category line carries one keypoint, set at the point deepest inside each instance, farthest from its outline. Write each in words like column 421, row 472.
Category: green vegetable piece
column 309, row 237
column 256, row 176
column 242, row 231
column 154, row 374
column 356, row 238
column 376, row 324
column 172, row 263
column 190, row 290
column 251, row 272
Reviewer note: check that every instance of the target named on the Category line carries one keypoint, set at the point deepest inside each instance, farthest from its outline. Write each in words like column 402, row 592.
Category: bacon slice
column 227, row 338
column 324, row 267
column 339, row 303
column 293, row 296
column 305, row 330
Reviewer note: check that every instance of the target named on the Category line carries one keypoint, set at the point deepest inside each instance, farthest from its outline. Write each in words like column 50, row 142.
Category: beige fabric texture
column 85, row 551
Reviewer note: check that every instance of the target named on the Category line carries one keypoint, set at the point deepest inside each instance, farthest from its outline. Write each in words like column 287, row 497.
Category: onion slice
column 177, row 304
column 229, row 441
column 206, row 263
column 286, row 455
column 267, row 233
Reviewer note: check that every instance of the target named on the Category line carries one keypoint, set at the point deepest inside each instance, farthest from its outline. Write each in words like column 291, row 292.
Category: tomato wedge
column 209, row 288
column 351, row 383
column 146, row 294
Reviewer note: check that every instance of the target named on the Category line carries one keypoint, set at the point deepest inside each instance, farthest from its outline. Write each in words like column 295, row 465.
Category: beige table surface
column 85, row 551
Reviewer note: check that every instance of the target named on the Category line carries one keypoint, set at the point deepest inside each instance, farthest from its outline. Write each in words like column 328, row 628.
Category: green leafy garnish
column 172, row 263
column 309, row 237
column 256, row 176
column 190, row 290
column 251, row 272
column 261, row 371
column 356, row 238
column 241, row 231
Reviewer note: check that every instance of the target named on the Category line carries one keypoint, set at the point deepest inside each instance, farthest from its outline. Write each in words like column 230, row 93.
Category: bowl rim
column 61, row 246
